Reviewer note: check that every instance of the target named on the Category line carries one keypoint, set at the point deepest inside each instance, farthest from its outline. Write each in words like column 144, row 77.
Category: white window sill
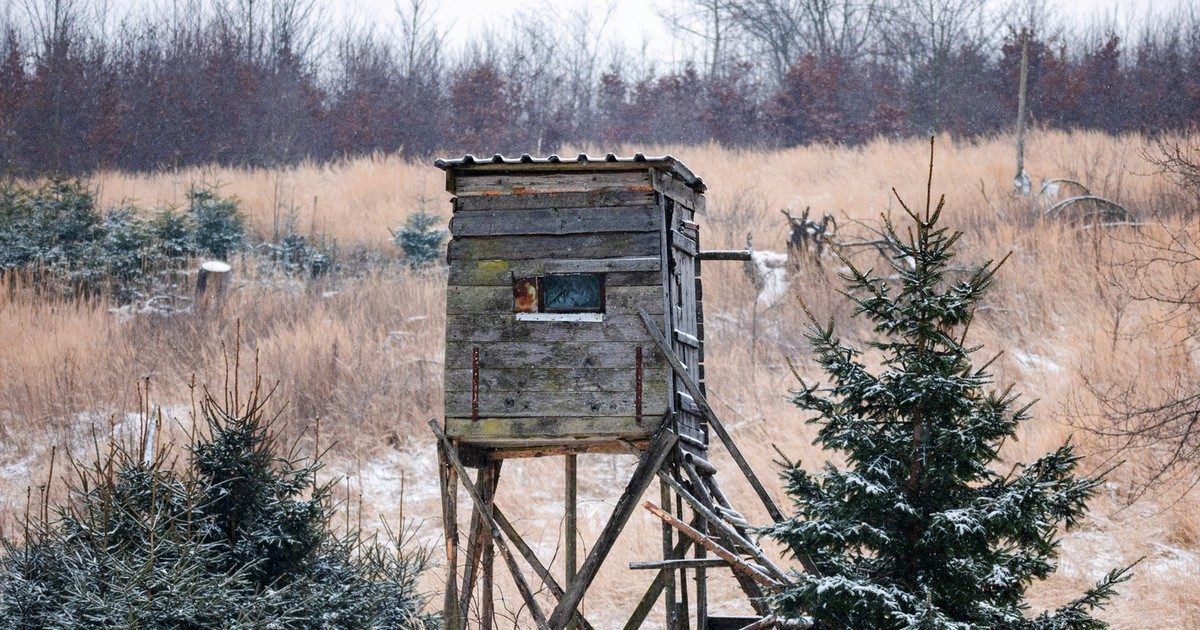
column 560, row 317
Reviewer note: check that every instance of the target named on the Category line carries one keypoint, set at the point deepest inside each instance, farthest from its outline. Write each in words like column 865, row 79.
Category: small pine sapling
column 220, row 227
column 921, row 528
column 420, row 242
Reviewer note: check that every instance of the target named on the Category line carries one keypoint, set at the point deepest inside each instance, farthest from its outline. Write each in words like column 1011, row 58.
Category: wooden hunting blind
column 574, row 324
column 550, row 263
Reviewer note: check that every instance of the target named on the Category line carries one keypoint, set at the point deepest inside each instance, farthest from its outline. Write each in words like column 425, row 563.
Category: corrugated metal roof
column 581, row 162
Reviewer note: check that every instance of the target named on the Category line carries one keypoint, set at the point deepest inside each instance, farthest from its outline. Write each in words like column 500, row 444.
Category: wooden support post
column 701, row 575
column 475, row 541
column 572, row 532
column 493, row 530
column 664, row 497
column 660, row 448
column 488, row 489
column 446, row 475
column 681, row 611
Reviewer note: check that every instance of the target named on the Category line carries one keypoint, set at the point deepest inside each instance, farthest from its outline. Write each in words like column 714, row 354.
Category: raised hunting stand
column 574, row 324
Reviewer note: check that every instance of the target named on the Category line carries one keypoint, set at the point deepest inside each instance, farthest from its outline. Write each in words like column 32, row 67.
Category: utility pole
column 1021, row 182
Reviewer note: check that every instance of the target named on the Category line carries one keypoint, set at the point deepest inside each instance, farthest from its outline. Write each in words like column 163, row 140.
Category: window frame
column 540, row 312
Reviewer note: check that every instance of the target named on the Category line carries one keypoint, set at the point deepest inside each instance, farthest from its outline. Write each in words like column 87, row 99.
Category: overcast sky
column 637, row 19
column 636, row 22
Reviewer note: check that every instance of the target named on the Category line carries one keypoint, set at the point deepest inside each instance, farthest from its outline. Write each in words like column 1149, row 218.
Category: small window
column 558, row 293
column 573, row 293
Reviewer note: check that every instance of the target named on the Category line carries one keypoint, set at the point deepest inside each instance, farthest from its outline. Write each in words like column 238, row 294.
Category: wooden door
column 685, row 339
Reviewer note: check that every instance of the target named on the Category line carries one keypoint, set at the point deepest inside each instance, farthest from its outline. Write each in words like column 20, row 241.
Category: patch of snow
column 1089, row 554
column 1171, row 562
column 771, row 269
column 1030, row 362
column 17, row 470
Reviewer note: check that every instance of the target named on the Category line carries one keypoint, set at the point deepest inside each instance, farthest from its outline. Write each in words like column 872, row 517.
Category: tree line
column 269, row 82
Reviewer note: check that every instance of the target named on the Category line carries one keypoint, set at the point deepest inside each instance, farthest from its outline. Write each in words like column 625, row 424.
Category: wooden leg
column 570, row 525
column 447, row 476
column 681, row 611
column 656, row 454
column 488, row 488
column 475, row 542
column 664, row 497
column 701, row 553
column 522, row 585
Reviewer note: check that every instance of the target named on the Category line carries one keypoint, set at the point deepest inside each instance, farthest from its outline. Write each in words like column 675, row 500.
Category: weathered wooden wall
column 545, row 382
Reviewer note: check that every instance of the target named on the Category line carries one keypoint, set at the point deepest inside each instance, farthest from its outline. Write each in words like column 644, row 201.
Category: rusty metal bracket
column 637, row 384
column 475, row 383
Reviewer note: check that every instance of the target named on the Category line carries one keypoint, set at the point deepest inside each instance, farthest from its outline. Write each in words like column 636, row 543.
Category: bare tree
column 706, row 21
column 1157, row 269
column 830, row 29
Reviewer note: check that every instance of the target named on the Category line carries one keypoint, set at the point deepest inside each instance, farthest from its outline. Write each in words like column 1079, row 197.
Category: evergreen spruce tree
column 922, row 527
column 239, row 535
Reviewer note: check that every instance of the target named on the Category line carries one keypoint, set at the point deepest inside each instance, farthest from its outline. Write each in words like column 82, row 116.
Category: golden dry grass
column 364, row 355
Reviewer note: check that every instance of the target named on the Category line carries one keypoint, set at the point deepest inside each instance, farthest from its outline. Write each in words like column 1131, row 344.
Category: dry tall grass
column 364, row 355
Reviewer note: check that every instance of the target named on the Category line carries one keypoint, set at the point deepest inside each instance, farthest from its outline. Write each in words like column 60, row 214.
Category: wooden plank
column 505, row 327
column 688, row 404
column 555, row 221
column 519, row 404
column 632, row 271
column 494, row 430
column 599, row 198
column 562, row 354
column 686, row 338
column 626, row 244
column 724, row 254
column 648, row 465
column 679, row 563
column 492, row 529
column 538, row 379
column 682, row 194
column 493, row 184
column 684, row 243
column 526, row 449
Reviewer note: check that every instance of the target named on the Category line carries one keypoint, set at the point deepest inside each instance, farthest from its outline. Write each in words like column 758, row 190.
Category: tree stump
column 212, row 283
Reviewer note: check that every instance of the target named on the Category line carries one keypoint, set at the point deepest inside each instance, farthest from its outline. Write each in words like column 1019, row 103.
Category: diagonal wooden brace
column 693, row 388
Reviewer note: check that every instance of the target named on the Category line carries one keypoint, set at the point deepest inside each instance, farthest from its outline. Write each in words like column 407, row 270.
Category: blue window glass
column 572, row 293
